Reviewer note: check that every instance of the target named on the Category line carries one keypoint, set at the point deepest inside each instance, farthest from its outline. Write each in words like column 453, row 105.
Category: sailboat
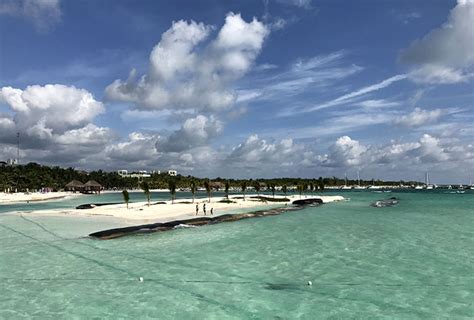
column 358, row 186
column 345, row 186
column 427, row 182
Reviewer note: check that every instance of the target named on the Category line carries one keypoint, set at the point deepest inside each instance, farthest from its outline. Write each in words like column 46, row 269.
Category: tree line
column 33, row 176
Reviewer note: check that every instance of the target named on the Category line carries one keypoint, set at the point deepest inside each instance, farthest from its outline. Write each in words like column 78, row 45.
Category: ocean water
column 412, row 261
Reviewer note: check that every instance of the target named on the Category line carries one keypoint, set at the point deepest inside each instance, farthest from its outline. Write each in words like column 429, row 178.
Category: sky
column 254, row 89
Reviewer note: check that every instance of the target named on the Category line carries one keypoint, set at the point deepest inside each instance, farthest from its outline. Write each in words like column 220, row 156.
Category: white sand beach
column 33, row 196
column 140, row 212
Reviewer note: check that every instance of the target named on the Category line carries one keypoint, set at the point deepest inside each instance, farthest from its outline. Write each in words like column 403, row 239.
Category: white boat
column 418, row 187
column 373, row 187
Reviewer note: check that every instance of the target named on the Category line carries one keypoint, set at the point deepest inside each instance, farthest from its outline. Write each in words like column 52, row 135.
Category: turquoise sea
column 412, row 261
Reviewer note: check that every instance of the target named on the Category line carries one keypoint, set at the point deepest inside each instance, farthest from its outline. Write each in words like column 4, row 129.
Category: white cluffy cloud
column 446, row 54
column 55, row 107
column 138, row 147
column 195, row 132
column 42, row 13
column 419, row 117
column 256, row 151
column 54, row 122
column 186, row 72
column 347, row 152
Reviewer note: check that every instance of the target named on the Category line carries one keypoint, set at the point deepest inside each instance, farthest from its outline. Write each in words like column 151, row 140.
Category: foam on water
column 409, row 261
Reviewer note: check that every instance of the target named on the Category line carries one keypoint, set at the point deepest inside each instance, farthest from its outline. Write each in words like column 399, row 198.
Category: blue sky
column 241, row 88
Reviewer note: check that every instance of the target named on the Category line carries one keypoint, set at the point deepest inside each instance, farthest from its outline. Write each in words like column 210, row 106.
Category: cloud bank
column 446, row 54
column 188, row 70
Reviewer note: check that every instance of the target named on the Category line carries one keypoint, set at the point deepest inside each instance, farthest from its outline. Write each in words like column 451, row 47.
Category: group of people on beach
column 203, row 209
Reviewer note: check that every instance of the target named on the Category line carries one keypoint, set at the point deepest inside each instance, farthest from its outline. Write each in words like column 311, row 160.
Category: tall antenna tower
column 17, row 148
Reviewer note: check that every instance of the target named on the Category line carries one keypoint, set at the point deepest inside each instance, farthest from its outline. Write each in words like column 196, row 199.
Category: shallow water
column 412, row 261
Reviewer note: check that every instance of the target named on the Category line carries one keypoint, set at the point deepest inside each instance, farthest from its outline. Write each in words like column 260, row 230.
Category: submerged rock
column 390, row 202
column 308, row 202
column 93, row 205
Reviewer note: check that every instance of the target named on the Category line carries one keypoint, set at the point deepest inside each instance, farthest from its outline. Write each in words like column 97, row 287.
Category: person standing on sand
column 197, row 209
column 204, row 208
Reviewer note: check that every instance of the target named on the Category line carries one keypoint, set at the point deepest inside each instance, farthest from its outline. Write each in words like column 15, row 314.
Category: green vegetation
column 193, row 188
column 300, row 189
column 172, row 189
column 33, row 177
column 273, row 189
column 146, row 190
column 243, row 186
column 256, row 186
column 207, row 185
column 126, row 197
column 226, row 189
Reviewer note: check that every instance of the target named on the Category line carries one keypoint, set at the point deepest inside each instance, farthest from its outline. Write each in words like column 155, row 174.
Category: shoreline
column 165, row 211
column 15, row 198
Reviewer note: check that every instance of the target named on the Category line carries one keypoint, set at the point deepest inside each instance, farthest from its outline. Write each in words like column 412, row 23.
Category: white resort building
column 143, row 173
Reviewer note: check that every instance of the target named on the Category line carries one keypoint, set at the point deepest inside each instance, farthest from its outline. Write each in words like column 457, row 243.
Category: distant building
column 11, row 162
column 140, row 174
column 122, row 173
column 143, row 173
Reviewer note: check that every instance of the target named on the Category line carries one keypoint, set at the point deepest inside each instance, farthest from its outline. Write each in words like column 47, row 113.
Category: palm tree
column 284, row 188
column 321, row 185
column 227, row 186
column 300, row 189
column 311, row 187
column 207, row 185
column 256, row 185
column 193, row 188
column 146, row 190
column 172, row 189
column 126, row 197
column 243, row 186
column 273, row 187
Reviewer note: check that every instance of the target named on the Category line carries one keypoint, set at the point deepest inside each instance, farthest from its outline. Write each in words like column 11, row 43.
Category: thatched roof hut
column 74, row 186
column 217, row 185
column 92, row 186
